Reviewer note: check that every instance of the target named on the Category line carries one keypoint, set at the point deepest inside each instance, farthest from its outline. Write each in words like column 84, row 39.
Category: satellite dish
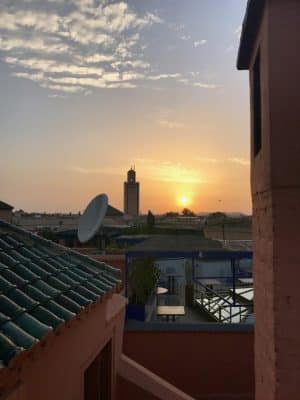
column 92, row 218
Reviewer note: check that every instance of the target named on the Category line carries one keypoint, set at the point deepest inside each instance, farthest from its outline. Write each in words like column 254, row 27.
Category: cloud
column 166, row 171
column 205, row 85
column 53, row 66
column 170, row 124
column 34, row 44
column 157, row 170
column 238, row 31
column 200, row 42
column 93, row 82
column 208, row 160
column 40, row 21
column 51, row 43
column 164, row 76
column 38, row 77
column 130, row 63
column 74, row 45
column 129, row 76
column 185, row 37
column 87, row 171
column 97, row 171
column 63, row 88
column 229, row 49
column 56, row 96
column 99, row 58
column 240, row 161
column 176, row 27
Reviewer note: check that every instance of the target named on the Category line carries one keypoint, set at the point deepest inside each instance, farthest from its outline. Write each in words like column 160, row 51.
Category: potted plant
column 142, row 278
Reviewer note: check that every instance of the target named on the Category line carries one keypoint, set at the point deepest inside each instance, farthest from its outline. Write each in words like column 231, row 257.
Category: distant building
column 6, row 213
column 131, row 194
column 58, row 222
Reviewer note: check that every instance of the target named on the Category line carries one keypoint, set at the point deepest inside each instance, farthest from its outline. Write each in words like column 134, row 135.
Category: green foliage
column 138, row 229
column 188, row 213
column 216, row 217
column 171, row 214
column 143, row 275
column 150, row 220
column 48, row 234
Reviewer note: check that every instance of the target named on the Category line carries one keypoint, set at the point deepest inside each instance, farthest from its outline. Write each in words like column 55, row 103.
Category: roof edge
column 5, row 206
column 251, row 23
column 113, row 270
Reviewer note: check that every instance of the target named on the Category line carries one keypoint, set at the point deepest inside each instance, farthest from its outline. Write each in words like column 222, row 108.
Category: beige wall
column 131, row 198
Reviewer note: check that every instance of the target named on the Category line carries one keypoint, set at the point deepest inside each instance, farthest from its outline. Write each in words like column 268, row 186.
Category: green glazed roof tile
column 43, row 285
column 47, row 289
column 5, row 285
column 46, row 316
column 32, row 325
column 69, row 302
column 18, row 335
column 36, row 294
column 25, row 273
column 58, row 284
column 14, row 278
column 60, row 311
column 9, row 307
column 80, row 300
column 87, row 293
column 22, row 299
column 8, row 349
column 4, row 245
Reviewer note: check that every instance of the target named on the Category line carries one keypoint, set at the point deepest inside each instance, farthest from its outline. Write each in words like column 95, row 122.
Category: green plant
column 150, row 220
column 143, row 275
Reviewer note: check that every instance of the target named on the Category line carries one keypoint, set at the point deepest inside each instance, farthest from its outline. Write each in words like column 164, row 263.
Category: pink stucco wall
column 205, row 365
column 55, row 370
column 275, row 175
column 6, row 215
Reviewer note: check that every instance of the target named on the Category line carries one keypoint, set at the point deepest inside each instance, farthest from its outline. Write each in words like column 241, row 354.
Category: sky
column 90, row 88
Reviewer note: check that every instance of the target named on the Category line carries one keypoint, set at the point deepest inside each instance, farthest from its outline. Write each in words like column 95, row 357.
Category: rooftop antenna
column 92, row 218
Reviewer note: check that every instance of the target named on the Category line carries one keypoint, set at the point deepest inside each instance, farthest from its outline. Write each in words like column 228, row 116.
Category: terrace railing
column 221, row 303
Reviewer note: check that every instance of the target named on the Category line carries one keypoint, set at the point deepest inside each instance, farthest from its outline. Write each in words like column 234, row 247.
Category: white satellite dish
column 92, row 218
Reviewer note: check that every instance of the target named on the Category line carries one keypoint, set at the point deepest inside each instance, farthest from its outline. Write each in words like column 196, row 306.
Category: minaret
column 131, row 194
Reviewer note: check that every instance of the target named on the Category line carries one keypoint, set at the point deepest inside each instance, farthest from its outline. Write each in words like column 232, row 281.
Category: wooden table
column 209, row 281
column 170, row 311
column 246, row 281
column 161, row 290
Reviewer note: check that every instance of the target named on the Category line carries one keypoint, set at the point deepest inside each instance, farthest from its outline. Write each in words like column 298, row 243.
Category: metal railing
column 216, row 303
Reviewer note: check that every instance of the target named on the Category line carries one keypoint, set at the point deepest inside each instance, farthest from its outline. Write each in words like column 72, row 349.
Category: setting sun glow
column 184, row 201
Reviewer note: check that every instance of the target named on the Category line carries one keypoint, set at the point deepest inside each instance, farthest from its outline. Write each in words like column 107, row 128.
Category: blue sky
column 92, row 87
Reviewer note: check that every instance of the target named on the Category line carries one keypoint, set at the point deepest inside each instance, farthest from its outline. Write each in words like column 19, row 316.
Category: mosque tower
column 131, row 194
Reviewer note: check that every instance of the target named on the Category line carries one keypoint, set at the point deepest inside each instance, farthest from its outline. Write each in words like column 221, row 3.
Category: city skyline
column 94, row 87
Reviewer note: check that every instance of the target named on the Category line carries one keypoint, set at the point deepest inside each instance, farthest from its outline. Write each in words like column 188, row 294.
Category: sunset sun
column 184, row 201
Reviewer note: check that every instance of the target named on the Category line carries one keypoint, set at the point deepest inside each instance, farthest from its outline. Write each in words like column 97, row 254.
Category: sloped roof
column 5, row 206
column 176, row 243
column 251, row 23
column 113, row 212
column 42, row 286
